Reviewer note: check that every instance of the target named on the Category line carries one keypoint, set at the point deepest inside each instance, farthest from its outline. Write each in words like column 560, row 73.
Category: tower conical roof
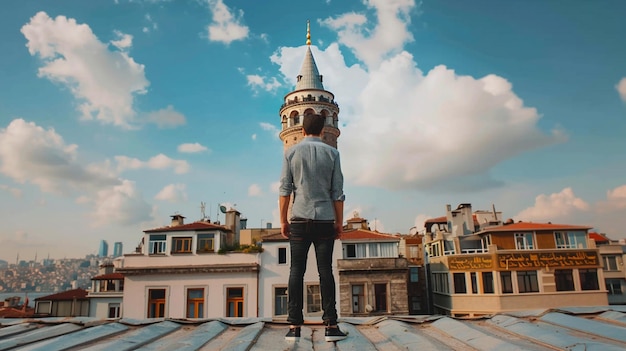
column 309, row 77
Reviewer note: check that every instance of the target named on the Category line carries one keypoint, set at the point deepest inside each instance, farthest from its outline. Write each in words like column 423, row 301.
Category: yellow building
column 480, row 265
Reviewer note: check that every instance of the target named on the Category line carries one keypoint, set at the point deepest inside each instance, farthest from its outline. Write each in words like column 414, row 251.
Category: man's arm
column 338, row 205
column 283, row 206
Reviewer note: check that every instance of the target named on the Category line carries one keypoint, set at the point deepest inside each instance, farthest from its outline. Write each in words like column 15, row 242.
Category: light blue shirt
column 312, row 172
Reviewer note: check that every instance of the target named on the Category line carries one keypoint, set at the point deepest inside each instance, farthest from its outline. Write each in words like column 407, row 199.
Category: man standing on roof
column 312, row 173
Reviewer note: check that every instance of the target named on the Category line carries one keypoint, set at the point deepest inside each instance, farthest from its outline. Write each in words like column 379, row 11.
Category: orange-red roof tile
column 79, row 294
column 363, row 234
column 109, row 276
column 520, row 226
column 598, row 237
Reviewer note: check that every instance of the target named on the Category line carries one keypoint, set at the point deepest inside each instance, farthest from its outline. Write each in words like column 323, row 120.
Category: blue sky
column 115, row 115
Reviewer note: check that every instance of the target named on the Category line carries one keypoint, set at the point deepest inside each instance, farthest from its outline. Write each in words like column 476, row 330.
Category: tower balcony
column 308, row 99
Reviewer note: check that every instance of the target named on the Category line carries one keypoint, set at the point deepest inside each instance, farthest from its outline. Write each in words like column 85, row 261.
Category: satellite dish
column 223, row 208
column 368, row 308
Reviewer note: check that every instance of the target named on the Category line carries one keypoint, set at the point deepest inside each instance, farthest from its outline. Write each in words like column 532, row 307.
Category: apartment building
column 480, row 265
column 191, row 271
column 612, row 255
column 107, row 292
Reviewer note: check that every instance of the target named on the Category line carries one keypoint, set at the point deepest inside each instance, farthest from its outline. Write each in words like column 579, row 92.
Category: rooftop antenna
column 202, row 208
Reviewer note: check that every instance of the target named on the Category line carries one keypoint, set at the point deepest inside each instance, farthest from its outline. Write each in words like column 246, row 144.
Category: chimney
column 177, row 220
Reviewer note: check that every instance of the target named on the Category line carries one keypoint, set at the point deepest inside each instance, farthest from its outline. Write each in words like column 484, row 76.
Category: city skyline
column 116, row 114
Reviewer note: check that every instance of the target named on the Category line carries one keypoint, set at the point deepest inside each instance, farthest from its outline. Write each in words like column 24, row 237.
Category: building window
column 524, row 241
column 564, row 279
column 413, row 252
column 609, row 263
column 181, row 245
column 614, row 286
column 488, row 282
column 110, row 285
column 157, row 244
column 507, row 282
column 313, row 299
column 234, row 302
column 358, row 298
column 282, row 255
column 280, row 301
column 440, row 283
column 459, row 283
column 527, row 281
column 373, row 248
column 114, row 310
column 570, row 240
column 414, row 276
column 156, row 303
column 205, row 243
column 195, row 303
column 355, row 250
column 380, row 297
column 415, row 303
column 588, row 279
column 474, row 283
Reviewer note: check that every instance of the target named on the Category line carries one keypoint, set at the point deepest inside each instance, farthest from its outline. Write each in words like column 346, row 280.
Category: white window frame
column 157, row 247
column 528, row 241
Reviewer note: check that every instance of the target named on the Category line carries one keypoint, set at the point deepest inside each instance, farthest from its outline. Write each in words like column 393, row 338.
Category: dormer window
column 206, row 243
column 157, row 244
column 298, row 78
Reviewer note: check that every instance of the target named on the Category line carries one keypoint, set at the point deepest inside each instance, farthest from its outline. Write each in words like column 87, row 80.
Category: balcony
column 369, row 264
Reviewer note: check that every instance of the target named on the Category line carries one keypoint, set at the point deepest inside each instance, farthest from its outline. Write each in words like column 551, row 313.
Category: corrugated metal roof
column 580, row 328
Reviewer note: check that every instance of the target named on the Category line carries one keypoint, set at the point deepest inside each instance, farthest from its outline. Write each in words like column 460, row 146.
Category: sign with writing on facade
column 547, row 259
column 523, row 260
column 471, row 262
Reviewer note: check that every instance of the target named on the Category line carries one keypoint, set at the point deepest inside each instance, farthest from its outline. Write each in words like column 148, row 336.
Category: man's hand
column 284, row 230
column 338, row 230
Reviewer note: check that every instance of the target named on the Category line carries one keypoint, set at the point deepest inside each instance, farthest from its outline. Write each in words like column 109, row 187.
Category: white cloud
column 274, row 187
column 105, row 81
column 419, row 222
column 264, row 83
column 270, row 128
column 121, row 204
column 173, row 193
column 556, row 207
column 192, row 148
column 253, row 136
column 254, row 190
column 44, row 159
column 615, row 200
column 17, row 193
column 166, row 118
column 159, row 161
column 226, row 27
column 444, row 131
column 621, row 88
column 388, row 36
column 125, row 41
column 151, row 24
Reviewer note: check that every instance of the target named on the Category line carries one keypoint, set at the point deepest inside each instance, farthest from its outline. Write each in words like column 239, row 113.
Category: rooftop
column 577, row 328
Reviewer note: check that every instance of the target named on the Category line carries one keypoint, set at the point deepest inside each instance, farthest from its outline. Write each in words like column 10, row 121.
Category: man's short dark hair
column 313, row 124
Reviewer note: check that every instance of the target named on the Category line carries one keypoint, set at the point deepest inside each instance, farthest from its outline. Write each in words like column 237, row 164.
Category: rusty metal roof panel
column 599, row 328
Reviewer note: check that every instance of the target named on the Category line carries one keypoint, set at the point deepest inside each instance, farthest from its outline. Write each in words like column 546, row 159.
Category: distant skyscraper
column 117, row 249
column 104, row 249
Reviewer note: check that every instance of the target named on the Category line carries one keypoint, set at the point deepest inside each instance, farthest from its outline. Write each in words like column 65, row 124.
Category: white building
column 185, row 271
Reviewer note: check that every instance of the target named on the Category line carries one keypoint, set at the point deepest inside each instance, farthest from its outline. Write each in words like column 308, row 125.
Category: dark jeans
column 322, row 236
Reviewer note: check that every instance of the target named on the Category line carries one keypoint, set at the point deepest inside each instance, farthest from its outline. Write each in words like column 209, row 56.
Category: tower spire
column 308, row 32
